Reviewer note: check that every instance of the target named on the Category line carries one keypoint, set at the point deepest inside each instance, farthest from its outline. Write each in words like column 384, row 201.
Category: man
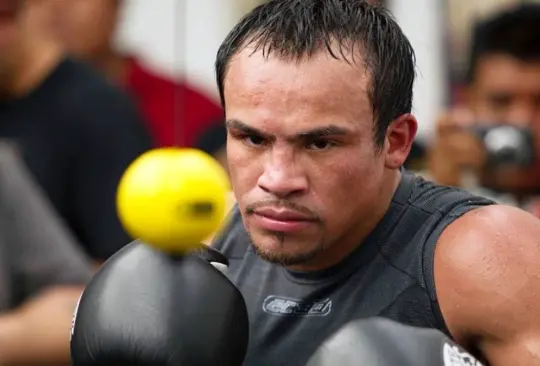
column 76, row 133
column 177, row 113
column 328, row 228
column 503, row 88
column 42, row 271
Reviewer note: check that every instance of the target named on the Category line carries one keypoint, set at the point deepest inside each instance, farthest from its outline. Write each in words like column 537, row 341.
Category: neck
column 33, row 67
column 113, row 65
column 345, row 245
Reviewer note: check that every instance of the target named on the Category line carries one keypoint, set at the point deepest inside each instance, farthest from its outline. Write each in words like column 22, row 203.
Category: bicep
column 488, row 283
column 116, row 137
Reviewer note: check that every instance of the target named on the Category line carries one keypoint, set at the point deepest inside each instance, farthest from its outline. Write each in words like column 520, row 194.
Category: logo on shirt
column 276, row 305
column 453, row 356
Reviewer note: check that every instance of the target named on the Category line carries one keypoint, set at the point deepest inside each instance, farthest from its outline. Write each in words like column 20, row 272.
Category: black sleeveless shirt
column 389, row 275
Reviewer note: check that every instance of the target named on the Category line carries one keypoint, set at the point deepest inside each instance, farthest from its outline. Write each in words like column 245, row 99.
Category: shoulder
column 85, row 81
column 102, row 110
column 433, row 197
column 485, row 264
column 494, row 230
column 92, row 95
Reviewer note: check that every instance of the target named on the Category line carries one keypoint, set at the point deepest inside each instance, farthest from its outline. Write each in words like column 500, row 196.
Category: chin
column 277, row 248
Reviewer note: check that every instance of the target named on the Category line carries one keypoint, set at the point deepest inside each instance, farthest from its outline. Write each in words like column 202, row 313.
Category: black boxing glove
column 145, row 307
column 382, row 342
column 214, row 257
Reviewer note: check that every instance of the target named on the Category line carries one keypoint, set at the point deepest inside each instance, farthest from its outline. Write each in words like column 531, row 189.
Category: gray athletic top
column 37, row 250
column 389, row 275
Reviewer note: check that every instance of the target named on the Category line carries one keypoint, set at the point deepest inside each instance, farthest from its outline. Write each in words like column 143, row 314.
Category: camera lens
column 508, row 145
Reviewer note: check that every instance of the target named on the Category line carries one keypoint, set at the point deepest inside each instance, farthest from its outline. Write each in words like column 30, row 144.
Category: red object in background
column 176, row 112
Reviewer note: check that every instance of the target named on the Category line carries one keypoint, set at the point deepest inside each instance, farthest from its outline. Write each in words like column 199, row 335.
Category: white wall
column 421, row 21
column 160, row 34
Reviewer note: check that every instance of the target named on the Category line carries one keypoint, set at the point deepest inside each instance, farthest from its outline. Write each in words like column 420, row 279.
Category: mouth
column 279, row 220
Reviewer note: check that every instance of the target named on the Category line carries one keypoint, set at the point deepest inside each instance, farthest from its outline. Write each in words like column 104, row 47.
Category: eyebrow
column 330, row 130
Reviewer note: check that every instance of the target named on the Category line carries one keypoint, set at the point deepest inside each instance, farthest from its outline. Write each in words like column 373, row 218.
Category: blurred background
column 180, row 38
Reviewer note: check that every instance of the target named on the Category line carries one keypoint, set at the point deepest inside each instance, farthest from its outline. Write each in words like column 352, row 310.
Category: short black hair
column 514, row 31
column 295, row 29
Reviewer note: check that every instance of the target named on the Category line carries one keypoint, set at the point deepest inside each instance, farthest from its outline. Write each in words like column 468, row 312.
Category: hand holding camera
column 466, row 144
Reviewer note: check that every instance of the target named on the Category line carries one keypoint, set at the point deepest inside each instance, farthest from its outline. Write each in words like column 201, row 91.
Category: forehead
column 321, row 88
column 505, row 73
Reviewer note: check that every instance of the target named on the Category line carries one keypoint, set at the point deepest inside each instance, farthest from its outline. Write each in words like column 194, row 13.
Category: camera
column 506, row 145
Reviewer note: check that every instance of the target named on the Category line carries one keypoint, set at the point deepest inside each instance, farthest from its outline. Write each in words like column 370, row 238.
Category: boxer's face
column 86, row 27
column 304, row 166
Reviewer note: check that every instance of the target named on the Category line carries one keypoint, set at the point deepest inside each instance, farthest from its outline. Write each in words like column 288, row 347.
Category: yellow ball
column 173, row 198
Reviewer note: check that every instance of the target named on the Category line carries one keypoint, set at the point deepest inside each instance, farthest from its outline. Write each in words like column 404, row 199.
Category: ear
column 399, row 138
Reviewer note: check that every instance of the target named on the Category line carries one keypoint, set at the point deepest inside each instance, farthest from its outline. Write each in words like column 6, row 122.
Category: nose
column 283, row 177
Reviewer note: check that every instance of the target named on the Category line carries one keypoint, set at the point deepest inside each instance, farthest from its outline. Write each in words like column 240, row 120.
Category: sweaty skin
column 488, row 283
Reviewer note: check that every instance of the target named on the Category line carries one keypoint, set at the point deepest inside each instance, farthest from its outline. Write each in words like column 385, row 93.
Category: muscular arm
column 487, row 276
column 38, row 332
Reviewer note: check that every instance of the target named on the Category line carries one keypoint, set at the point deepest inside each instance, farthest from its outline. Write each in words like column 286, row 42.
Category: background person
column 76, row 132
column 42, row 270
column 177, row 113
column 503, row 89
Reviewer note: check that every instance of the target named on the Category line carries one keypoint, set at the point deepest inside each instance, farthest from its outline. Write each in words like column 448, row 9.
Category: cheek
column 347, row 189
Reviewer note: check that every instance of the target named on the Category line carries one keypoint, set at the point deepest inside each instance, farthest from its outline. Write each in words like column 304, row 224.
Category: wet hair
column 514, row 32
column 297, row 29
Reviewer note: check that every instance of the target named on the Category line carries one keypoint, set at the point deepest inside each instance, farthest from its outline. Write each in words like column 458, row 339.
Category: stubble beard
column 281, row 257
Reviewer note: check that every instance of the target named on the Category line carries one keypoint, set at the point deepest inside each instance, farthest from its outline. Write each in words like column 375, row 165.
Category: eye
column 253, row 140
column 320, row 145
